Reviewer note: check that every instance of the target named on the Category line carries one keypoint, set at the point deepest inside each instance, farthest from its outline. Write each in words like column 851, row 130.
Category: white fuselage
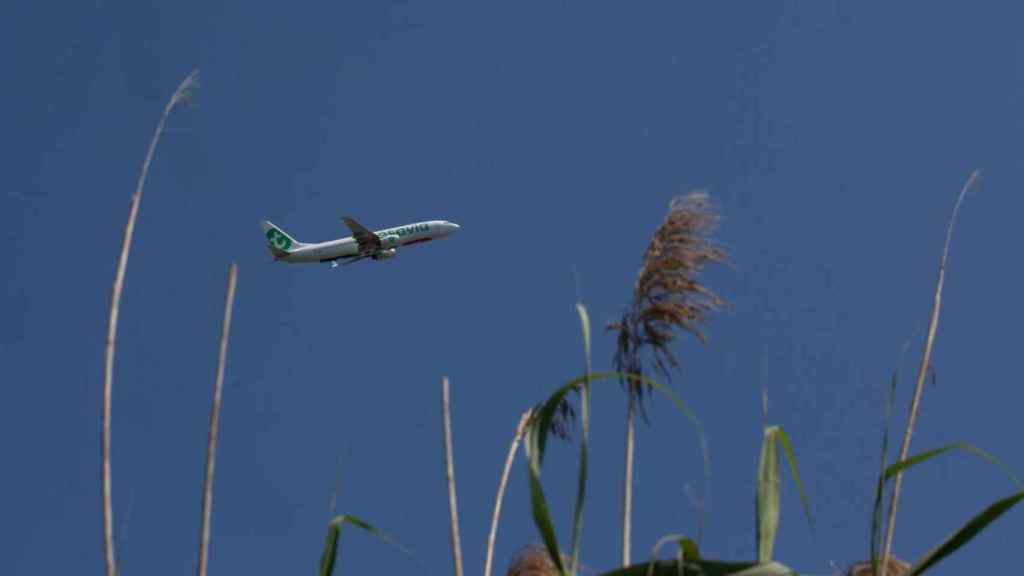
column 391, row 238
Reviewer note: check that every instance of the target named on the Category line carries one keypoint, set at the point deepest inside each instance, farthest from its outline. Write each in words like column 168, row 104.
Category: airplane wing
column 367, row 240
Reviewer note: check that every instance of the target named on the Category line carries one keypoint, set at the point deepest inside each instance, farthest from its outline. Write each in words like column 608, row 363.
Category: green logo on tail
column 278, row 240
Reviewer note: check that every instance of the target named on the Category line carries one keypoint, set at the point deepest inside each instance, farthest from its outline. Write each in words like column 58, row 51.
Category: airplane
column 362, row 244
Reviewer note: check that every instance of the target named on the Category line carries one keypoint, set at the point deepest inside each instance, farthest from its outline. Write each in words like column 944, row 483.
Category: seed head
column 668, row 295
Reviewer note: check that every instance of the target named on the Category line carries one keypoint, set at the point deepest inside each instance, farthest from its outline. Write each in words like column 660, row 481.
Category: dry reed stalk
column 180, row 95
column 211, row 446
column 667, row 296
column 449, row 459
column 922, row 373
column 627, row 485
column 516, row 439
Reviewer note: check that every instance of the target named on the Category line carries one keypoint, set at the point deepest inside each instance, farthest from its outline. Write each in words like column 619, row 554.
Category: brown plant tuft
column 668, row 295
column 532, row 560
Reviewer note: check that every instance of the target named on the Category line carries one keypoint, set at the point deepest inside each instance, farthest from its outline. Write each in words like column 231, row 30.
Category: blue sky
column 832, row 136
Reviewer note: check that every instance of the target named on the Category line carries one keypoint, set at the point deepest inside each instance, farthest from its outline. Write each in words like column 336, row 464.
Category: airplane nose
column 454, row 226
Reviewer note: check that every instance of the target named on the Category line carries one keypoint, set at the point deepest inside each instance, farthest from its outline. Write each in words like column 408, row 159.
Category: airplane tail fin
column 279, row 242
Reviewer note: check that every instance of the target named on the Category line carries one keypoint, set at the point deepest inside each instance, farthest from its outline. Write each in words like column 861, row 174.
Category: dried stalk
column 520, row 429
column 922, row 373
column 211, row 446
column 180, row 95
column 627, row 486
column 667, row 297
column 450, row 472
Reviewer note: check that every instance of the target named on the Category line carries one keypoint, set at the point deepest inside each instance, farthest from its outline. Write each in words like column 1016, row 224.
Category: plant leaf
column 891, row 471
column 585, row 321
column 546, row 413
column 687, row 551
column 975, row 525
column 540, row 428
column 538, row 502
column 581, row 485
column 767, row 497
column 791, row 458
column 966, row 533
column 330, row 554
column 876, row 514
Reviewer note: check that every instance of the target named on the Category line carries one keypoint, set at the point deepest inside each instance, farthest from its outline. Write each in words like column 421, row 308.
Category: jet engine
column 384, row 254
column 389, row 241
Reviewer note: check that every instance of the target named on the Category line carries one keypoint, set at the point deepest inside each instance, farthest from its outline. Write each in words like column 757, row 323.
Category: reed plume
column 667, row 297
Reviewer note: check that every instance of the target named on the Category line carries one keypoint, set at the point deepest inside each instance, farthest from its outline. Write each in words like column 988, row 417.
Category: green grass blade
column 767, row 498
column 330, row 555
column 974, row 526
column 581, row 486
column 538, row 502
column 966, row 533
column 585, row 321
column 539, row 429
column 687, row 551
column 895, row 469
column 876, row 513
column 876, row 524
column 791, row 458
column 546, row 413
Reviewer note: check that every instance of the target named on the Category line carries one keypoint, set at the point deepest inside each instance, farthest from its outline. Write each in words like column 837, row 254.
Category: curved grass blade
column 687, row 551
column 581, row 486
column 876, row 514
column 545, row 415
column 330, row 555
column 966, row 533
column 585, row 322
column 898, row 467
column 539, row 429
column 791, row 458
column 538, row 502
column 969, row 530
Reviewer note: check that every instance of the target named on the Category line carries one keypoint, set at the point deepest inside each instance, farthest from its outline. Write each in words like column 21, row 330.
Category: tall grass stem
column 581, row 483
column 627, row 489
column 180, row 95
column 211, row 445
column 513, row 447
column 922, row 373
column 449, row 459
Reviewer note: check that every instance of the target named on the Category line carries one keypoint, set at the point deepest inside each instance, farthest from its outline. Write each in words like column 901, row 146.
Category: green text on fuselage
column 405, row 230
